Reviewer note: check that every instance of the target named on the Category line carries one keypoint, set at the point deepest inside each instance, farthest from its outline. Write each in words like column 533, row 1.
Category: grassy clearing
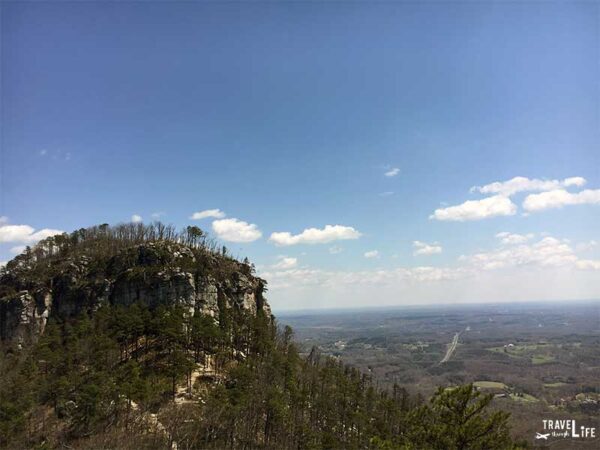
column 525, row 398
column 513, row 352
column 522, row 348
column 555, row 385
column 415, row 347
column 490, row 385
column 542, row 359
column 536, row 353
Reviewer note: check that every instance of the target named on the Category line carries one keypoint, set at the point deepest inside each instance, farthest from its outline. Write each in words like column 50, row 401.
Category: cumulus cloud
column 42, row 234
column 18, row 249
column 496, row 205
column 302, row 277
column 15, row 233
column 547, row 252
column 214, row 213
column 588, row 264
column 514, row 238
column 25, row 234
column 315, row 236
column 136, row 218
column 574, row 181
column 422, row 248
column 285, row 263
column 537, row 269
column 234, row 230
column 522, row 184
column 553, row 194
column 548, row 267
column 392, row 172
column 558, row 198
column 371, row 254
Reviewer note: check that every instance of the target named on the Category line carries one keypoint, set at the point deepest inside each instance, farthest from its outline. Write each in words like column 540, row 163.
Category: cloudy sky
column 359, row 154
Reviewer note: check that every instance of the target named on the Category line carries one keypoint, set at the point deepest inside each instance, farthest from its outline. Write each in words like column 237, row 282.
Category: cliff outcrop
column 65, row 277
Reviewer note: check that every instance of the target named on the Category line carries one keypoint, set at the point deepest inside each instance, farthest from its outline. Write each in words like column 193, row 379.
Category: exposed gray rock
column 154, row 273
column 23, row 316
column 207, row 297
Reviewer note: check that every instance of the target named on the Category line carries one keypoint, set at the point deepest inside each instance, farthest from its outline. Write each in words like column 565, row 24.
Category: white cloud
column 43, row 152
column 15, row 233
column 422, row 248
column 2, row 264
column 553, row 195
column 392, row 172
column 588, row 264
column 335, row 250
column 214, row 213
column 521, row 184
column 136, row 218
column 547, row 252
column 42, row 234
column 559, row 197
column 285, row 263
column 386, row 193
column 574, row 181
column 338, row 279
column 235, row 230
column 18, row 249
column 427, row 273
column 315, row 236
column 371, row 254
column 157, row 215
column 545, row 269
column 496, row 205
column 548, row 268
column 25, row 234
column 3, row 219
column 514, row 238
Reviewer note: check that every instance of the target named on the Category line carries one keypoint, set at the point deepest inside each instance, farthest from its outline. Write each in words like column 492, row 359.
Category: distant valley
column 538, row 359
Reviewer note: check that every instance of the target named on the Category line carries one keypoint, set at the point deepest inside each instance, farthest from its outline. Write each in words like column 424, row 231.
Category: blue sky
column 287, row 116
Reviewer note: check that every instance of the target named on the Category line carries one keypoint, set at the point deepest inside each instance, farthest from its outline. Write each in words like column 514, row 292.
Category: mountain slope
column 137, row 337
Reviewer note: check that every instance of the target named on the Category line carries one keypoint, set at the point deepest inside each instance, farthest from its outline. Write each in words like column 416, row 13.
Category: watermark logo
column 565, row 428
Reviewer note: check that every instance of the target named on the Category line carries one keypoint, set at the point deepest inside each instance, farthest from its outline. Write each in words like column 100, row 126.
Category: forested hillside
column 138, row 337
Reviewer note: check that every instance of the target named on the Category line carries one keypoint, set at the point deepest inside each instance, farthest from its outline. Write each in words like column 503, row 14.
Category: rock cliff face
column 154, row 273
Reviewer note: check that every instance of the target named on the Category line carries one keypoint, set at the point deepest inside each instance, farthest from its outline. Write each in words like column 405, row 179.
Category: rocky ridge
column 155, row 273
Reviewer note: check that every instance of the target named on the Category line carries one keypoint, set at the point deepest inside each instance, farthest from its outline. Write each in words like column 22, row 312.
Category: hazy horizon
column 430, row 306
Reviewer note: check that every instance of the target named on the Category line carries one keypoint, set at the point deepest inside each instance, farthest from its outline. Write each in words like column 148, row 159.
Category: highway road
column 451, row 348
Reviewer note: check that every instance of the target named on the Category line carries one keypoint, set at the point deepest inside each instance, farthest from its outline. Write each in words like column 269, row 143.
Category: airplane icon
column 542, row 436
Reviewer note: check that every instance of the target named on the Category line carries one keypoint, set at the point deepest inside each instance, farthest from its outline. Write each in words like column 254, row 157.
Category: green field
column 542, row 359
column 537, row 353
column 555, row 385
column 526, row 398
column 501, row 350
column 490, row 385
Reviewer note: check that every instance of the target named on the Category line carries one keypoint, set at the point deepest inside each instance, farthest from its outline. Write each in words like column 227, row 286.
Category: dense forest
column 141, row 375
